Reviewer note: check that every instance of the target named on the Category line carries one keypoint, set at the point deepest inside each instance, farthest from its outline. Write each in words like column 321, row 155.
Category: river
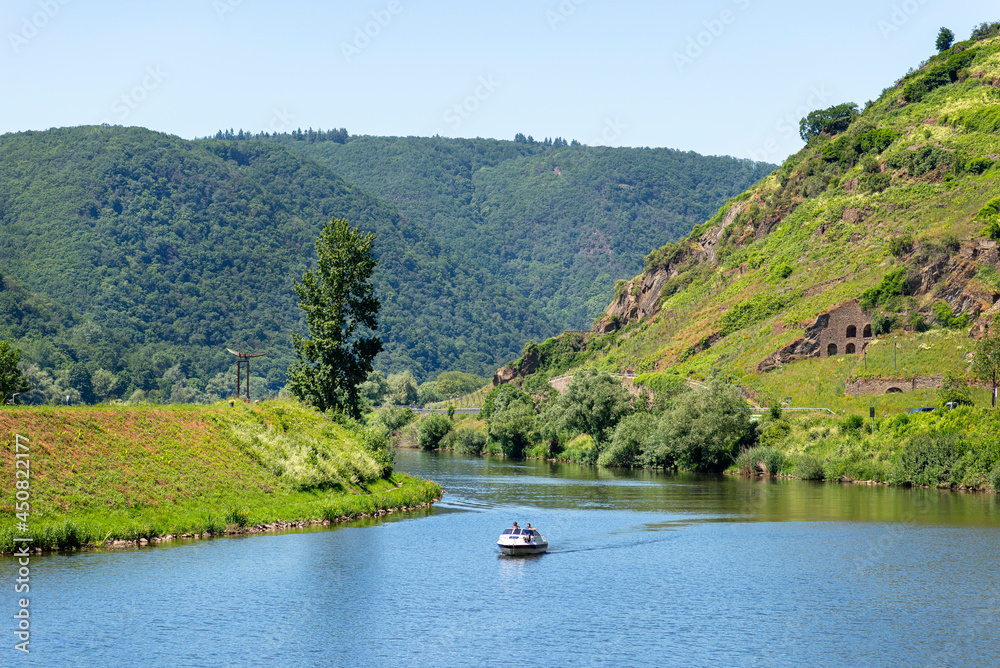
column 645, row 569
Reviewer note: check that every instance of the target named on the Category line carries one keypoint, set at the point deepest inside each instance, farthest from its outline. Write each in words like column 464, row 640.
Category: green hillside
column 854, row 285
column 557, row 222
column 174, row 248
column 897, row 209
column 131, row 259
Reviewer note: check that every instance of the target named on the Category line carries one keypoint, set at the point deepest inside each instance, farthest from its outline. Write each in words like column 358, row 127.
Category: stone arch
column 852, row 331
column 849, row 349
column 894, row 390
column 867, row 332
column 831, row 350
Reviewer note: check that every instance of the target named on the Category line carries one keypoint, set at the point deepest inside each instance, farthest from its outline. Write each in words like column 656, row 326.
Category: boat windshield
column 507, row 532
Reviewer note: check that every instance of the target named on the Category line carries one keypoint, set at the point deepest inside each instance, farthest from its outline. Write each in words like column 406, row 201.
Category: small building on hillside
column 847, row 330
column 843, row 330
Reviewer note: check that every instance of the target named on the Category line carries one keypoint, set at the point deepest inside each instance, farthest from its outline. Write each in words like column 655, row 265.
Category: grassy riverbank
column 946, row 448
column 949, row 449
column 101, row 474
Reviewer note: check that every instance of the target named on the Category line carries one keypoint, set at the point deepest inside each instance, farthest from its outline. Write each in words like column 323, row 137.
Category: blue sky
column 730, row 77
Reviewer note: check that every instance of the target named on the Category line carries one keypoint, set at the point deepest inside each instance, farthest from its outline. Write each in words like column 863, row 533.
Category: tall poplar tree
column 11, row 379
column 341, row 308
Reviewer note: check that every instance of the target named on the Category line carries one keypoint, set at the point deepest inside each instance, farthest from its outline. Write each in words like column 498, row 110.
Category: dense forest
column 558, row 222
column 131, row 259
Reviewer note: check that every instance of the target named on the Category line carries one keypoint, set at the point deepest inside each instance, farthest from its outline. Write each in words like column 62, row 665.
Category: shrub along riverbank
column 710, row 428
column 105, row 474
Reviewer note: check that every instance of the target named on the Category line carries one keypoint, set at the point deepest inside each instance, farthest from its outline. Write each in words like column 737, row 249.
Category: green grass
column 123, row 473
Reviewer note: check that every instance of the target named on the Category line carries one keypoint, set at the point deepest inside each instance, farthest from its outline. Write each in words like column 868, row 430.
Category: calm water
column 644, row 569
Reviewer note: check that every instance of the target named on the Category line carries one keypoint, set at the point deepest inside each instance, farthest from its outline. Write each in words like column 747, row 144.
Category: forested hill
column 166, row 251
column 180, row 248
column 556, row 222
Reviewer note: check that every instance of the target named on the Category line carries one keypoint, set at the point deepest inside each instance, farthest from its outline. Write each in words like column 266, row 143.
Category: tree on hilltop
column 829, row 121
column 341, row 308
column 944, row 39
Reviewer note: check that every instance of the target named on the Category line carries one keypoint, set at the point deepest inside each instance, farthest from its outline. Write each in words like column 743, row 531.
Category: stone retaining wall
column 865, row 386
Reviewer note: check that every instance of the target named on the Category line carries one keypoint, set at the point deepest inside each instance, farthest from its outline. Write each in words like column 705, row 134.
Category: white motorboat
column 522, row 541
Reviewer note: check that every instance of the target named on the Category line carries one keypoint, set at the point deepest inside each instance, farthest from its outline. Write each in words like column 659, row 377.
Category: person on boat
column 515, row 525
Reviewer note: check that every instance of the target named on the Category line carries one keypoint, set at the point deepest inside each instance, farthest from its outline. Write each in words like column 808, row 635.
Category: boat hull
column 524, row 548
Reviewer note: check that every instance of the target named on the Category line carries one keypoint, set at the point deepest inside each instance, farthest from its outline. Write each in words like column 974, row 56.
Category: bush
column 581, row 449
column 852, row 424
column 781, row 271
column 513, row 429
column 882, row 324
column 928, row 459
column 772, row 432
column 901, row 245
column 501, row 397
column 876, row 183
column 468, row 441
column 918, row 323
column 432, row 429
column 875, row 141
column 985, row 30
column 955, row 390
column 706, row 427
column 594, row 403
column 995, row 479
column 237, row 516
column 978, row 165
column 893, row 285
column 830, row 121
column 394, row 419
column 808, row 467
column 759, row 459
column 629, row 437
column 939, row 75
column 945, row 316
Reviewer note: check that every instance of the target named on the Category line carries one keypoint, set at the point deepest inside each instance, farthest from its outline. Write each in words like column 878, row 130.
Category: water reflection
column 486, row 483
column 644, row 569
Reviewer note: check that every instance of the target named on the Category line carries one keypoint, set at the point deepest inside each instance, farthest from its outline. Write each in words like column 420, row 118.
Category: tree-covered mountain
column 161, row 252
column 557, row 222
